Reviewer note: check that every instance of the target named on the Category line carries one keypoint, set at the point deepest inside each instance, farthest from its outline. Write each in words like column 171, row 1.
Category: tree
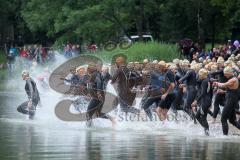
column 230, row 11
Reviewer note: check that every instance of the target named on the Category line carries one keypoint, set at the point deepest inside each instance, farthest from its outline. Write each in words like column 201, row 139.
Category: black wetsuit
column 199, row 83
column 176, row 105
column 237, row 109
column 106, row 77
column 219, row 97
column 191, row 82
column 228, row 112
column 33, row 95
column 167, row 102
column 123, row 88
column 95, row 89
column 204, row 100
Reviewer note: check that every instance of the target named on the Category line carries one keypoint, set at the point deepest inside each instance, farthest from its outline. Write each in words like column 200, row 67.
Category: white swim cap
column 25, row 73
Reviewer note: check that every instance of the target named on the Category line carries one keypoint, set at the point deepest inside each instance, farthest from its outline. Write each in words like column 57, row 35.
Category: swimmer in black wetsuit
column 153, row 95
column 106, row 77
column 190, row 79
column 124, row 86
column 220, row 96
column 231, row 87
column 204, row 99
column 97, row 95
column 177, row 103
column 29, row 107
column 168, row 96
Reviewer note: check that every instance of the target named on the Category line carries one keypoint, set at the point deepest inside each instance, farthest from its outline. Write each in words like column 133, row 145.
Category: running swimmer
column 167, row 88
column 231, row 87
column 153, row 94
column 29, row 107
column 190, row 79
column 97, row 95
column 106, row 77
column 177, row 103
column 220, row 92
column 204, row 99
column 124, row 86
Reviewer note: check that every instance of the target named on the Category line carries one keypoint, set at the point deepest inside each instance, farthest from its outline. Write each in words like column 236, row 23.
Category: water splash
column 46, row 117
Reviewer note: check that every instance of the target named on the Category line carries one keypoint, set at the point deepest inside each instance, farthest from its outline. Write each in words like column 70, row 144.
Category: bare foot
column 114, row 121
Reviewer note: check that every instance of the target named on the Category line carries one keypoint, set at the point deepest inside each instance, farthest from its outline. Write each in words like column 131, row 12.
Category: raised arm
column 212, row 74
column 227, row 84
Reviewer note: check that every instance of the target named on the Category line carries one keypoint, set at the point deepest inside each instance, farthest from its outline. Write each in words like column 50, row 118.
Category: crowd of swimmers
column 191, row 87
column 197, row 88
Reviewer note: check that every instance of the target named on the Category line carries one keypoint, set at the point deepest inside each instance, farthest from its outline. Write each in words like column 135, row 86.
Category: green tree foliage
column 102, row 20
column 67, row 20
column 231, row 12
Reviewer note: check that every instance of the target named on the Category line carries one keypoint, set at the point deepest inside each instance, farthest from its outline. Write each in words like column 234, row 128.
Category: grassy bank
column 2, row 57
column 137, row 52
column 140, row 51
column 3, row 72
column 3, row 76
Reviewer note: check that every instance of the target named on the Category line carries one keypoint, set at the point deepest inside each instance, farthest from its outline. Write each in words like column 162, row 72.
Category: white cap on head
column 193, row 62
column 25, row 73
column 145, row 61
column 203, row 72
column 176, row 61
column 200, row 59
column 228, row 63
column 79, row 68
column 185, row 62
column 172, row 66
column 220, row 60
column 228, row 70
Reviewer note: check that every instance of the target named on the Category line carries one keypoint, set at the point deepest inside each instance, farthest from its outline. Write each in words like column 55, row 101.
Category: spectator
column 14, row 50
column 10, row 62
column 43, row 54
column 24, row 53
column 68, row 50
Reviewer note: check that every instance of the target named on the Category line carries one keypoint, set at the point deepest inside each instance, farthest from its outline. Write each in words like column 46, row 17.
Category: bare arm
column 228, row 84
column 170, row 88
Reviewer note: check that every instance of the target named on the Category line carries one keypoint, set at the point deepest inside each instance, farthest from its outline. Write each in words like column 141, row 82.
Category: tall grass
column 140, row 51
column 209, row 46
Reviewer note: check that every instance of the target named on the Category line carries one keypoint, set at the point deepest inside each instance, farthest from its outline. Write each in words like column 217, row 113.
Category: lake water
column 47, row 137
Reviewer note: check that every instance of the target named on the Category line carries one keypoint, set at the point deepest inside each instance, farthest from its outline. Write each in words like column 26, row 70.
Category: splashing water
column 46, row 117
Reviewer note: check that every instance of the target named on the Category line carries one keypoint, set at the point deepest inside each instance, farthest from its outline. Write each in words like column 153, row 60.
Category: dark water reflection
column 34, row 142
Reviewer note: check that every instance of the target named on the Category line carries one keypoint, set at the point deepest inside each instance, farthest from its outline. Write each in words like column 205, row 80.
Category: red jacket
column 24, row 53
